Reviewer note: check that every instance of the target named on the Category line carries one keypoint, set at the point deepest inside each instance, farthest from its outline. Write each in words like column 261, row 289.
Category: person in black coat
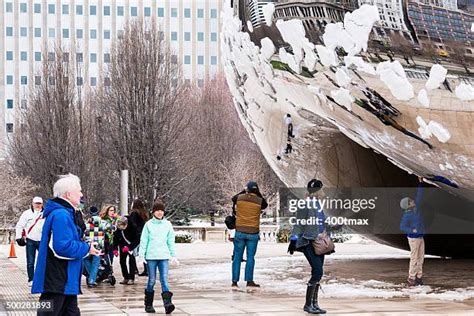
column 126, row 241
column 138, row 217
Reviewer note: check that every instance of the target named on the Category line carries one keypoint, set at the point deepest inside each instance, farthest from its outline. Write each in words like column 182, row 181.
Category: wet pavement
column 360, row 279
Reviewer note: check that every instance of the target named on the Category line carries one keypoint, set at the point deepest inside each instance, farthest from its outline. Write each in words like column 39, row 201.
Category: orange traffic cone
column 12, row 250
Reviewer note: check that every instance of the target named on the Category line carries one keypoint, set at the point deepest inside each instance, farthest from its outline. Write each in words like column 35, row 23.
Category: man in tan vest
column 247, row 207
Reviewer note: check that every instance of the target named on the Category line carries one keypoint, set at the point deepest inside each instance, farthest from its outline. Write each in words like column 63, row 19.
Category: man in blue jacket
column 59, row 264
column 412, row 224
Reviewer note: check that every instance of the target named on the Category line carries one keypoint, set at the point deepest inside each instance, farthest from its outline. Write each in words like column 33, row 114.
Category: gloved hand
column 174, row 261
column 125, row 249
column 116, row 253
column 292, row 245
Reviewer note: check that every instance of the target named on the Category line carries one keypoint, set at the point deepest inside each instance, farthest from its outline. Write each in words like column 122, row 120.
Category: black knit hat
column 157, row 206
column 314, row 185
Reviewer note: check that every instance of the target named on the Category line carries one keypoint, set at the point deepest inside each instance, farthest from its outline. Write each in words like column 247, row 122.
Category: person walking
column 126, row 240
column 247, row 207
column 157, row 247
column 59, row 264
column 301, row 240
column 108, row 213
column 28, row 233
column 413, row 225
column 137, row 219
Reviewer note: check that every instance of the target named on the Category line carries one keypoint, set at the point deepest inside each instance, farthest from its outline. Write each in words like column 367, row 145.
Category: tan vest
column 248, row 209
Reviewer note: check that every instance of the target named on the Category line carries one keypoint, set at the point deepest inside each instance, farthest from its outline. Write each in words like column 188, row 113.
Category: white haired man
column 28, row 233
column 59, row 265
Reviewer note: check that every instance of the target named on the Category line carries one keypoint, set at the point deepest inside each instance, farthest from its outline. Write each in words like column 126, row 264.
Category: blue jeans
column 242, row 241
column 316, row 262
column 163, row 266
column 31, row 248
column 92, row 264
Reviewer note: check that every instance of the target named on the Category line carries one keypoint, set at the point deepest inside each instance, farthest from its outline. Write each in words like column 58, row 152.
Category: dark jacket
column 59, row 262
column 127, row 237
column 305, row 234
column 247, row 208
column 413, row 218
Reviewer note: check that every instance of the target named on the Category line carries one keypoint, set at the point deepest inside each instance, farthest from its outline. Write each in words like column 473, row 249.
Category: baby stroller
column 105, row 273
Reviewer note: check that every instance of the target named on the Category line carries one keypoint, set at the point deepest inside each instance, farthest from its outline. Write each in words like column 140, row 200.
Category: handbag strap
column 36, row 221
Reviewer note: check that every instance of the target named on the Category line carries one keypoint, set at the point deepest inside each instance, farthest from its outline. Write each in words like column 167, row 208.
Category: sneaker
column 91, row 285
column 30, row 283
column 130, row 282
column 418, row 281
column 124, row 281
column 234, row 284
column 252, row 284
column 411, row 282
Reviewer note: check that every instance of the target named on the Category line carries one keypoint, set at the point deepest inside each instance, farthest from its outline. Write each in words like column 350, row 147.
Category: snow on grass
column 395, row 78
column 290, row 60
column 342, row 78
column 465, row 92
column 327, row 56
column 437, row 76
column 268, row 11
column 268, row 49
column 343, row 97
column 423, row 98
column 360, row 64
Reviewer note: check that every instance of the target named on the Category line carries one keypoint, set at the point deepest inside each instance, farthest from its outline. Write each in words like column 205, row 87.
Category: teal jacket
column 157, row 240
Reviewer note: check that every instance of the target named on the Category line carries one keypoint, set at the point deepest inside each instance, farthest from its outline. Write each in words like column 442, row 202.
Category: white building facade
column 33, row 27
column 255, row 7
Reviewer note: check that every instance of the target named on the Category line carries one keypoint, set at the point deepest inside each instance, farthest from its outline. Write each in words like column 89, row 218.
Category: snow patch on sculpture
column 360, row 64
column 343, row 97
column 342, row 78
column 268, row 11
column 423, row 98
column 437, row 76
column 395, row 78
column 465, row 92
column 326, row 56
column 438, row 130
column 290, row 60
column 250, row 26
column 268, row 49
column 358, row 24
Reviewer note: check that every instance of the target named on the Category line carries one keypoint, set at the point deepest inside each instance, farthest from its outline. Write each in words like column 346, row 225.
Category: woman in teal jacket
column 157, row 248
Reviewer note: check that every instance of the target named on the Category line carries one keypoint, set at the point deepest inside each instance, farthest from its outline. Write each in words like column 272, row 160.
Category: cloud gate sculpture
column 359, row 94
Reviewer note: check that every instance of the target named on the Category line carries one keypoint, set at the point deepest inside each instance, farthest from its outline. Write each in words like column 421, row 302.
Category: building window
column 120, row 11
column 37, row 32
column 93, row 34
column 93, row 81
column 106, row 10
column 161, row 12
column 65, row 33
column 107, row 34
column 23, row 32
column 37, row 8
column 213, row 60
column 65, row 9
column 79, row 33
column 79, row 9
column 23, row 104
column 79, row 57
column 23, row 56
column 106, row 58
column 147, row 11
column 174, row 36
column 200, row 13
column 213, row 37
column 200, row 60
column 133, row 11
column 51, row 9
column 9, row 31
column 174, row 12
column 24, row 80
column 187, row 59
column 92, row 10
column 51, row 32
column 38, row 80
column 93, row 58
column 9, row 127
column 9, row 79
column 79, row 81
column 23, row 8
column 187, row 12
column 213, row 13
column 9, row 104
column 187, row 36
column 200, row 36
column 9, row 55
column 51, row 81
column 8, row 7
column 51, row 56
column 37, row 56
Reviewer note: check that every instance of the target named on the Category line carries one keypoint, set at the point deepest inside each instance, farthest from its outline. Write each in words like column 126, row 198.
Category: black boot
column 169, row 307
column 311, row 297
column 149, row 296
column 145, row 271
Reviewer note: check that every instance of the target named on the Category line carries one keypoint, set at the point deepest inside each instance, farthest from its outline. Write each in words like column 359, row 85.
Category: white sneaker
column 30, row 284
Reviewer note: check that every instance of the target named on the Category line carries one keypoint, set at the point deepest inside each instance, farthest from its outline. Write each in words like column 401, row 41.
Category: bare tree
column 56, row 134
column 458, row 54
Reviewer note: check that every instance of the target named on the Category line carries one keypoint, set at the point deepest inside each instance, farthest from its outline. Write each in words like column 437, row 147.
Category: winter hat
column 122, row 221
column 314, row 185
column 252, row 186
column 157, row 206
column 404, row 203
column 37, row 199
